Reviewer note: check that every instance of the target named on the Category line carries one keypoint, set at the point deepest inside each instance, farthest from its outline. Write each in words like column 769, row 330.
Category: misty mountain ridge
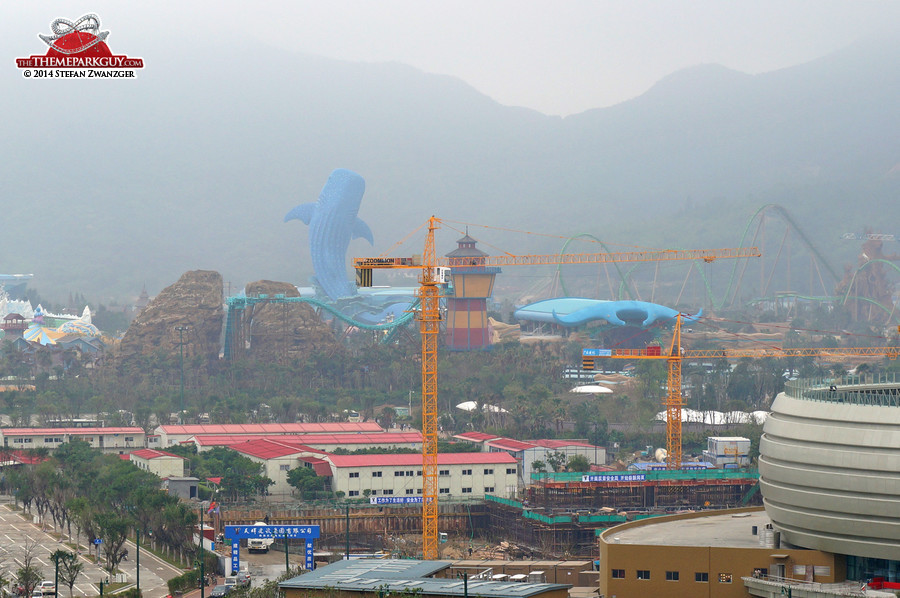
column 110, row 187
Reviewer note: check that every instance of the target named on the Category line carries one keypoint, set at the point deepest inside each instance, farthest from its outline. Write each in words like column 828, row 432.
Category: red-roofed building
column 460, row 475
column 161, row 463
column 557, row 444
column 323, row 442
column 277, row 459
column 509, row 445
column 475, row 437
column 320, row 466
column 174, row 434
column 527, row 452
column 108, row 440
column 8, row 457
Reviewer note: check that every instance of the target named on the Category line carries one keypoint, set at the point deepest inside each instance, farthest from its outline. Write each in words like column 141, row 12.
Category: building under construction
column 560, row 517
column 361, row 526
column 646, row 491
column 563, row 512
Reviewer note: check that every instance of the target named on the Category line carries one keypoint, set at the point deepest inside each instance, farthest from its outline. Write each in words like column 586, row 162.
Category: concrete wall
column 830, row 475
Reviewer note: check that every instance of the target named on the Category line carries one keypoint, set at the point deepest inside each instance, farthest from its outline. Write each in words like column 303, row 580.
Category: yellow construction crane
column 433, row 275
column 676, row 354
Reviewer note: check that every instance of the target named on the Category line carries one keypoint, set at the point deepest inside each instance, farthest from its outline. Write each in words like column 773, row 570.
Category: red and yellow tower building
column 473, row 284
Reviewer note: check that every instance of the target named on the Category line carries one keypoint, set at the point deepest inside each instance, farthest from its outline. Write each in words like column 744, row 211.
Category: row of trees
column 518, row 389
column 85, row 494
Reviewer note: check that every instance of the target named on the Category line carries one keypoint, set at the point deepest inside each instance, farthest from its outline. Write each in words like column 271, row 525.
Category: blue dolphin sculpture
column 623, row 312
column 333, row 222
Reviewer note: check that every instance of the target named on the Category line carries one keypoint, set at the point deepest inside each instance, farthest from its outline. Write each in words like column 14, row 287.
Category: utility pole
column 347, row 528
column 56, row 572
column 137, row 561
column 181, row 330
column 202, row 559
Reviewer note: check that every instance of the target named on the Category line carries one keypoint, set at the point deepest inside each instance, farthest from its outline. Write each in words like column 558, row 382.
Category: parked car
column 220, row 591
column 47, row 587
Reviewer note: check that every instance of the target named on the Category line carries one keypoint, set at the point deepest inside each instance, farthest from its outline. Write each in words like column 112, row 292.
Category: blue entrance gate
column 275, row 532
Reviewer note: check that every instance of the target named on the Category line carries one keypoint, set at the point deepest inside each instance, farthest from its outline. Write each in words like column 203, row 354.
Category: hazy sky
column 555, row 57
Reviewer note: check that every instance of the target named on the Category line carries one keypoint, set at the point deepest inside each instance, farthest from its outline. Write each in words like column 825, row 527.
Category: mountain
column 109, row 186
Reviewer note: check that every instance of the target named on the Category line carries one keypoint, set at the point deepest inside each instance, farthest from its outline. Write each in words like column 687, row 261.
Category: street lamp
column 202, row 555
column 181, row 330
column 465, row 578
column 55, row 557
column 137, row 560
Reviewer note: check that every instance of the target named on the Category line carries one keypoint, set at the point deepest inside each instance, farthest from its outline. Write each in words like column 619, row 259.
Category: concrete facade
column 830, row 468
column 700, row 555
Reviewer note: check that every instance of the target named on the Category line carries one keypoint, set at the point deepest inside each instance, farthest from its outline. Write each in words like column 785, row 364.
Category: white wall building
column 460, row 475
column 727, row 450
column 277, row 459
column 108, row 440
column 161, row 463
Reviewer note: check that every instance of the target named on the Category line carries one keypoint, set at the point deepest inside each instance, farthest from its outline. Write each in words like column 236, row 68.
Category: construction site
column 559, row 518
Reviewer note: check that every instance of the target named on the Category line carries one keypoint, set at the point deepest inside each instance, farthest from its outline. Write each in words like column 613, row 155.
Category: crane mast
column 429, row 326
column 677, row 354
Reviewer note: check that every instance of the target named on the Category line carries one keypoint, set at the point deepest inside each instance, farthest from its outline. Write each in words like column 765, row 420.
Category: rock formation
column 283, row 331
column 194, row 302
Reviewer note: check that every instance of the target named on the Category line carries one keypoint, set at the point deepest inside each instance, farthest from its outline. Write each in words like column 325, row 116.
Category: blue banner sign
column 292, row 532
column 614, row 477
column 596, row 352
column 395, row 500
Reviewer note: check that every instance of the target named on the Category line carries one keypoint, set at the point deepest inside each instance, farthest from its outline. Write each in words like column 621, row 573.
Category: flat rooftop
column 728, row 530
column 390, row 575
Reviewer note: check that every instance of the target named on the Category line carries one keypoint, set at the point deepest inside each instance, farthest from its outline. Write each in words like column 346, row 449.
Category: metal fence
column 868, row 389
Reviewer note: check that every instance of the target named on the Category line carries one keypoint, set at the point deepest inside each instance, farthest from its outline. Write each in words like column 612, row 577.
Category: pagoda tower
column 472, row 283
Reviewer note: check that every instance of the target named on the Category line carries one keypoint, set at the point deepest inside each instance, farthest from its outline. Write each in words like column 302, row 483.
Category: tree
column 578, row 463
column 556, row 460
column 29, row 574
column 305, row 480
column 69, row 568
column 113, row 529
column 538, row 466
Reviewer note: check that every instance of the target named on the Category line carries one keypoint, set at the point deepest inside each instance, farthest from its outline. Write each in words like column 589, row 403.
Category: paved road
column 18, row 532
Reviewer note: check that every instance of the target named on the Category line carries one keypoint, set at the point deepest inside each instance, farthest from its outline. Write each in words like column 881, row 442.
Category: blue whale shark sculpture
column 622, row 312
column 579, row 311
column 333, row 222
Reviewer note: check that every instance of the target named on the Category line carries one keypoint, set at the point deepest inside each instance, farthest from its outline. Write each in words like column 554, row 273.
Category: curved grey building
column 830, row 471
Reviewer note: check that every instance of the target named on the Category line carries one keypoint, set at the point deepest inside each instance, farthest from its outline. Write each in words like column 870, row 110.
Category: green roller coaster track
column 238, row 303
column 562, row 252
column 624, row 288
